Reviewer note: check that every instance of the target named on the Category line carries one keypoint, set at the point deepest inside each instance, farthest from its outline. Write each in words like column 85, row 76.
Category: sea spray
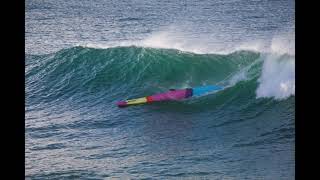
column 278, row 72
column 278, row 77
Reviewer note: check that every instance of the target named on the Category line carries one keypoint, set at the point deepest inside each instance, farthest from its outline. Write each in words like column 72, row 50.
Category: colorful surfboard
column 172, row 95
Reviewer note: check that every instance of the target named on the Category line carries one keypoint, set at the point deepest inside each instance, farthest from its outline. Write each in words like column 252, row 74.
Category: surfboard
column 132, row 102
column 171, row 95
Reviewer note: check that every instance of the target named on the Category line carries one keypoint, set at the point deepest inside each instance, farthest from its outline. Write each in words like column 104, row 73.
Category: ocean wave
column 131, row 71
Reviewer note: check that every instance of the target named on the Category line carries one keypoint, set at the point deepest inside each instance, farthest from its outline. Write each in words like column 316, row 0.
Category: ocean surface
column 84, row 56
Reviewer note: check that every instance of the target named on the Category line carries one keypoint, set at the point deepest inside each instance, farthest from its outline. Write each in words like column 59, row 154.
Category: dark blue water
column 84, row 56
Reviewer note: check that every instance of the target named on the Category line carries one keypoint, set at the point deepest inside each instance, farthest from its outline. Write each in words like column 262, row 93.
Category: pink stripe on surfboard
column 170, row 95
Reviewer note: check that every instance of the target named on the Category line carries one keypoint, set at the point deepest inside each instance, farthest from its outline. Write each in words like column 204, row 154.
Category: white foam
column 278, row 77
column 278, row 72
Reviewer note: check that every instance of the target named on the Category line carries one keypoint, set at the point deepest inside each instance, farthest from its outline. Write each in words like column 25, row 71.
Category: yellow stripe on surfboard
column 136, row 101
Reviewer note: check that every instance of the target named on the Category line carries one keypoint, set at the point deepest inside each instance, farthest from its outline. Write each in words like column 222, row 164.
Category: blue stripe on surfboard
column 201, row 90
